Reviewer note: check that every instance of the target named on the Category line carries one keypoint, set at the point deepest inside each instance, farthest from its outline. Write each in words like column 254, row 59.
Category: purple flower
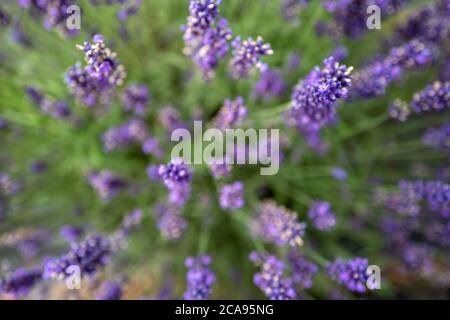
column 93, row 84
column 170, row 221
column 176, row 176
column 373, row 79
column 270, row 84
column 314, row 99
column 222, row 168
column 110, row 291
column 435, row 97
column 170, row 119
column 340, row 53
column 399, row 110
column 271, row 279
column 247, row 56
column 136, row 98
column 152, row 146
column 4, row 124
column 231, row 114
column 132, row 132
column 21, row 281
column 279, row 225
column 89, row 255
column 321, row 215
column 292, row 8
column 70, row 233
column 107, row 184
column 352, row 273
column 199, row 278
column 206, row 36
column 418, row 258
column 232, row 196
column 303, row 270
column 438, row 138
column 58, row 109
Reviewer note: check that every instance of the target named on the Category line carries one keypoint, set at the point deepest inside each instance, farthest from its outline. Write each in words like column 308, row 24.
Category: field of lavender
column 94, row 206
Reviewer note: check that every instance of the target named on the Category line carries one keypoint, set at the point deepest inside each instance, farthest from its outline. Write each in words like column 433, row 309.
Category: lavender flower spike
column 199, row 278
column 321, row 215
column 231, row 196
column 247, row 56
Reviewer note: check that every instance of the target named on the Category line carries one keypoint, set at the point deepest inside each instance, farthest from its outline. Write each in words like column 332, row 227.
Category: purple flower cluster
column 28, row 241
column 57, row 109
column 373, row 79
column 279, row 225
column 136, row 98
column 206, row 35
column 199, row 278
column 176, row 176
column 352, row 274
column 232, row 196
column 132, row 132
column 429, row 24
column 314, row 99
column 247, row 55
column 399, row 110
column 435, row 97
column 21, row 281
column 93, row 84
column 89, row 255
column 438, row 138
column 232, row 113
column 71, row 234
column 110, row 291
column 321, row 215
column 170, row 221
column 221, row 168
column 271, row 84
column 350, row 16
column 107, row 184
column 55, row 11
column 303, row 270
column 271, row 279
column 170, row 119
column 152, row 146
column 291, row 9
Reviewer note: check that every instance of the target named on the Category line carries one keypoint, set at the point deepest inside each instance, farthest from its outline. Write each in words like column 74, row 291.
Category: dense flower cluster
column 55, row 11
column 199, row 278
column 89, row 256
column 279, row 225
column 291, row 9
column 206, row 35
column 271, row 84
column 352, row 274
column 350, row 16
column 399, row 110
column 93, row 84
column 21, row 281
column 438, row 138
column 170, row 221
column 373, row 79
column 435, row 97
column 136, row 98
column 232, row 196
column 232, row 113
column 314, row 99
column 321, row 215
column 107, row 184
column 176, row 176
column 271, row 279
column 247, row 56
column 132, row 132
column 303, row 270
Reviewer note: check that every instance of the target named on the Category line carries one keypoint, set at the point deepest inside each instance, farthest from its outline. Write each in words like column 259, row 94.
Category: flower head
column 232, row 196
column 199, row 278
